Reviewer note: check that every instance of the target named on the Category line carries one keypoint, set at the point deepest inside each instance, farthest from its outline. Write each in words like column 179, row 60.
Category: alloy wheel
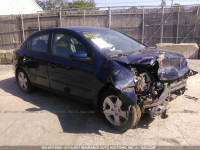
column 112, row 109
column 23, row 81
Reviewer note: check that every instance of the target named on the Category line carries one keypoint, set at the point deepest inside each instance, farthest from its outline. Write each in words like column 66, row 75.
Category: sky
column 106, row 3
column 110, row 3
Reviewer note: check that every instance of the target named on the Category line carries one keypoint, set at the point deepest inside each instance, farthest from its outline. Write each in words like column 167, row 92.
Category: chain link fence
column 148, row 24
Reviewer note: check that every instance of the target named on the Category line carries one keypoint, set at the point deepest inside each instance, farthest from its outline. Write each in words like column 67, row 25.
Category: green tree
column 52, row 4
column 81, row 4
column 40, row 3
column 64, row 4
column 133, row 8
column 176, row 4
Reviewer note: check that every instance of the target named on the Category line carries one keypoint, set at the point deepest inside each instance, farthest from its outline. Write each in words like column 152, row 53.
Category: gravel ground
column 45, row 118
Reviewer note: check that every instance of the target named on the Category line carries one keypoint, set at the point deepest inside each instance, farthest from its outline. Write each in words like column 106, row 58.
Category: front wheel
column 118, row 114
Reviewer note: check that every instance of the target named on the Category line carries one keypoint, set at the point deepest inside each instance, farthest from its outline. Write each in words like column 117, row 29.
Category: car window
column 65, row 44
column 28, row 45
column 112, row 43
column 40, row 43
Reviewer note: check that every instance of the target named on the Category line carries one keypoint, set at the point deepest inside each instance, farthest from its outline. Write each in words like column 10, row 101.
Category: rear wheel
column 118, row 114
column 23, row 81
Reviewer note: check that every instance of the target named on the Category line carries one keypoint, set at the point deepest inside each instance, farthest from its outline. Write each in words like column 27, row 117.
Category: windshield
column 112, row 43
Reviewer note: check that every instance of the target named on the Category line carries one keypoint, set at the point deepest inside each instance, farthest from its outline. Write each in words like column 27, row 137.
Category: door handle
column 53, row 66
column 67, row 67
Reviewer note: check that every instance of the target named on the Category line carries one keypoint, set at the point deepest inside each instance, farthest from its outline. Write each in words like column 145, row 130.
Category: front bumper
column 160, row 105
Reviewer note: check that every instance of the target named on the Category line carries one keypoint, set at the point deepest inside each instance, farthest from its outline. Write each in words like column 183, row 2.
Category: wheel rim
column 23, row 82
column 112, row 109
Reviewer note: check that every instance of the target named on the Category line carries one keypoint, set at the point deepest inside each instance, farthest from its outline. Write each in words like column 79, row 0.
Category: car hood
column 171, row 65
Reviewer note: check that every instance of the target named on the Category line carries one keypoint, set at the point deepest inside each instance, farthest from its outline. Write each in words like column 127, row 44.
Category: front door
column 71, row 76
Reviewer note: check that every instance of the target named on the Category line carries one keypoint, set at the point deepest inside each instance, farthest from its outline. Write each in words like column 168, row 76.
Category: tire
column 23, row 81
column 139, row 114
column 117, row 114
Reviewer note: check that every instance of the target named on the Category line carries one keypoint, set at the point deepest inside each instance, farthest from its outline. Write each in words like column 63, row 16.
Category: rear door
column 36, row 59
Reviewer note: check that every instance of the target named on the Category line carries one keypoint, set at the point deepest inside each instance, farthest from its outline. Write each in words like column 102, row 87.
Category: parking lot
column 45, row 118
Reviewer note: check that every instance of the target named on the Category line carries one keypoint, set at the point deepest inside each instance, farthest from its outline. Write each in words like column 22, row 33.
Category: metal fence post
column 195, row 26
column 84, row 17
column 143, row 25
column 161, row 35
column 60, row 18
column 22, row 26
column 38, row 21
column 177, row 29
column 192, row 30
column 109, row 17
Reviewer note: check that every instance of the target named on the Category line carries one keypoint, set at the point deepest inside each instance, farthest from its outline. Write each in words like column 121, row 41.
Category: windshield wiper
column 126, row 54
column 117, row 55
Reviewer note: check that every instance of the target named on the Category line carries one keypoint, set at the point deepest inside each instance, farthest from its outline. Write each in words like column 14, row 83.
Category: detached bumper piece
column 159, row 106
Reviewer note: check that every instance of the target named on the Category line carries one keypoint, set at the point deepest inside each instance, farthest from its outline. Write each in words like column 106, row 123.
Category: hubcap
column 113, row 112
column 22, row 81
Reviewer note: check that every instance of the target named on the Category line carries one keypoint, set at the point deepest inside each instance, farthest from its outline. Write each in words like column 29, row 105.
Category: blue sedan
column 121, row 77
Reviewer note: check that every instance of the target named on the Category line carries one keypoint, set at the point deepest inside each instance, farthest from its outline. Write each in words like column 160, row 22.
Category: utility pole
column 163, row 3
column 45, row 4
column 172, row 2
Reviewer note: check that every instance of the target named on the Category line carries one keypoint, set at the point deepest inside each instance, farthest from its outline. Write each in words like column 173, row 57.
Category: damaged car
column 121, row 77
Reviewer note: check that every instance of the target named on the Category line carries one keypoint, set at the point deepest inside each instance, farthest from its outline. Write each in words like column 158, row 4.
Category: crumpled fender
column 123, row 80
column 171, row 65
column 170, row 68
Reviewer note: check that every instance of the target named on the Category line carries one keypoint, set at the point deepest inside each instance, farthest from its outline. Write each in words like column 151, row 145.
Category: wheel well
column 108, row 86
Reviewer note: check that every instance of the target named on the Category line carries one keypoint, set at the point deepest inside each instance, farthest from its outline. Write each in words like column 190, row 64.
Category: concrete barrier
column 188, row 50
column 6, row 56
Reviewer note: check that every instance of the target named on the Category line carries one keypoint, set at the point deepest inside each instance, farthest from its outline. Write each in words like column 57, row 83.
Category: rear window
column 40, row 43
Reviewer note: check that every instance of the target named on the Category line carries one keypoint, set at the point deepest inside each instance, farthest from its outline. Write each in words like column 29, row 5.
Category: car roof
column 81, row 28
column 76, row 29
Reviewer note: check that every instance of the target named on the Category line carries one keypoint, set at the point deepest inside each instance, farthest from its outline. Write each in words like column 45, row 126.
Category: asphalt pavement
column 45, row 118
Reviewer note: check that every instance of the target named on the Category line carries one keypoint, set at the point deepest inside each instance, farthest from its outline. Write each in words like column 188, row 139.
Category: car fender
column 122, row 80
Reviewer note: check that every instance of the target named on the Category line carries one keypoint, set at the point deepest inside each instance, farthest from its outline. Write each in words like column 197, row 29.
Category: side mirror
column 80, row 55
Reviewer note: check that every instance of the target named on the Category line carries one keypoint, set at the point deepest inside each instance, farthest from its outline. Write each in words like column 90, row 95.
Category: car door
column 36, row 59
column 74, row 77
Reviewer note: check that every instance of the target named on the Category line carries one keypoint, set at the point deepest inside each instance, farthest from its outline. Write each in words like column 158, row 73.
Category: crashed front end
column 150, row 79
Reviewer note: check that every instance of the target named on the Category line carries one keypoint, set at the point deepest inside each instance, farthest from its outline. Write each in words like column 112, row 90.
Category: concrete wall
column 6, row 56
column 188, row 50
